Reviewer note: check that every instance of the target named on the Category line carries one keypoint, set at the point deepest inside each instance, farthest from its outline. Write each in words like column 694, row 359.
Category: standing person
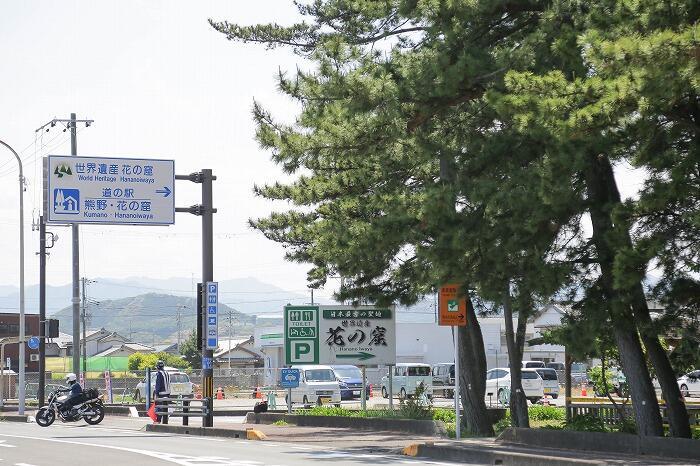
column 162, row 390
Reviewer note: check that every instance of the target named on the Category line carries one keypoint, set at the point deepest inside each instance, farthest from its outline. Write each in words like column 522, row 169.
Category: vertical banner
column 212, row 315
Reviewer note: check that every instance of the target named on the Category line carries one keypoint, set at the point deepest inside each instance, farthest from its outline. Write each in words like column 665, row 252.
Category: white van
column 533, row 365
column 318, row 385
column 406, row 377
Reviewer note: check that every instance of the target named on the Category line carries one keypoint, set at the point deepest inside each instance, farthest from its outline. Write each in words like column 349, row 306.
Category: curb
column 420, row 427
column 199, row 431
column 14, row 418
column 596, row 442
column 476, row 455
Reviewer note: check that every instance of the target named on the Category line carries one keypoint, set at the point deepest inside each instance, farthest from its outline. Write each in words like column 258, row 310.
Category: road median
column 199, row 431
column 413, row 426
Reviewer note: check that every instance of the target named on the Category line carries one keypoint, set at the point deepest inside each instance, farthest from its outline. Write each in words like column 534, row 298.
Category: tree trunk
column 518, row 402
column 678, row 420
column 472, row 376
column 603, row 197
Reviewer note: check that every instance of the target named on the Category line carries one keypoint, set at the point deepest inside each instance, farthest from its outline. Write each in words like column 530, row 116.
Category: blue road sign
column 207, row 363
column 212, row 296
column 33, row 343
column 289, row 378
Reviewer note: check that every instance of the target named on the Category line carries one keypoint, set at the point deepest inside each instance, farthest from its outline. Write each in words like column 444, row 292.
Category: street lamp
column 21, row 281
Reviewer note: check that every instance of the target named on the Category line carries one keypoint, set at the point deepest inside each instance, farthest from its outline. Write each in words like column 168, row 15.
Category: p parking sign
column 301, row 334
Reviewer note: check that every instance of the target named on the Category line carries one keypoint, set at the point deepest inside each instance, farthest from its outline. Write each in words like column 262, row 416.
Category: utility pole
column 82, row 315
column 206, row 210
column 42, row 304
column 230, row 316
column 22, row 356
column 179, row 328
column 75, row 251
column 42, row 311
column 71, row 124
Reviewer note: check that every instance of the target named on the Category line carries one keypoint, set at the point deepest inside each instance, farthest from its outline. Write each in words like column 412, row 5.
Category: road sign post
column 453, row 312
column 289, row 378
column 108, row 190
column 357, row 335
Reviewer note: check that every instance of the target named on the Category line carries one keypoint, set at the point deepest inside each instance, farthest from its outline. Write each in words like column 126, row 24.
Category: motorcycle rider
column 74, row 396
column 162, row 389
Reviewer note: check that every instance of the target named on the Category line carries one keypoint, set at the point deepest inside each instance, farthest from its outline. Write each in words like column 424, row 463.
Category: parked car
column 557, row 366
column 444, row 375
column 550, row 381
column 689, row 383
column 498, row 380
column 317, row 385
column 532, row 364
column 406, row 378
column 350, row 380
column 180, row 385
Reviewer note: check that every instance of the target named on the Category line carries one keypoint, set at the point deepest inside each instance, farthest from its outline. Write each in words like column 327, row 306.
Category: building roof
column 235, row 344
column 136, row 347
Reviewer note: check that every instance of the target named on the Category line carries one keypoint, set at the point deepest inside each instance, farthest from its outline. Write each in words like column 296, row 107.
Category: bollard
column 185, row 410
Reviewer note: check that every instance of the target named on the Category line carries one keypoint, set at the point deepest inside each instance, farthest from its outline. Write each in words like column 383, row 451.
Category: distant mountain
column 152, row 318
column 247, row 295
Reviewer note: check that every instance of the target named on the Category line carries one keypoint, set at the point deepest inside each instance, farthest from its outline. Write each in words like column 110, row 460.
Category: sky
column 159, row 83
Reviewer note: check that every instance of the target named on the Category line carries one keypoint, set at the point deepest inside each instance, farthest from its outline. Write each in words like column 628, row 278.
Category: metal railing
column 182, row 407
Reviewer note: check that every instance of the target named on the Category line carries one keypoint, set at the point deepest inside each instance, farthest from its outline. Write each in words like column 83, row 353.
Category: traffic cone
column 545, row 400
column 257, row 393
column 583, row 391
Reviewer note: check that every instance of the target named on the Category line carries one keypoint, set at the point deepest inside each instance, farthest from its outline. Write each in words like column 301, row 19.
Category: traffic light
column 52, row 328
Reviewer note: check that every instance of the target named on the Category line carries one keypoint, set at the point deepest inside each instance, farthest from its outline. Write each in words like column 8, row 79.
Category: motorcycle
column 90, row 409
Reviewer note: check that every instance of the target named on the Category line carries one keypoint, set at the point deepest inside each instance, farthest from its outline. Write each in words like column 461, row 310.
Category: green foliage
column 189, row 351
column 444, row 415
column 586, row 423
column 546, row 413
column 143, row 361
column 595, row 376
column 418, row 407
column 469, row 141
column 280, row 423
column 503, row 424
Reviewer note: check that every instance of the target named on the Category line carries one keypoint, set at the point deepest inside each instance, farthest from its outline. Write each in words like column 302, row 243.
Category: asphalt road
column 79, row 444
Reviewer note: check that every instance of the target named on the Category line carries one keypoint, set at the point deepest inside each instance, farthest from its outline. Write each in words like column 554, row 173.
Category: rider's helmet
column 160, row 365
column 71, row 378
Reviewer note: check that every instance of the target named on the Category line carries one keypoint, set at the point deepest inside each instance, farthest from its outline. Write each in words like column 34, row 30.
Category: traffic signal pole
column 206, row 210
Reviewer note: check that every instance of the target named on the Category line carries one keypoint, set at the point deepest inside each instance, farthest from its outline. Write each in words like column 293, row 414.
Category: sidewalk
column 466, row 451
column 488, row 451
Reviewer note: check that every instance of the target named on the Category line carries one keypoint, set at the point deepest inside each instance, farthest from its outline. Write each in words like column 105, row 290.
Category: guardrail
column 611, row 415
column 183, row 407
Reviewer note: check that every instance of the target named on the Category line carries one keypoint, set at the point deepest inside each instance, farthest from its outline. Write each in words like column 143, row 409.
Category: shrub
column 418, row 407
column 444, row 415
column 585, row 423
column 546, row 413
column 503, row 424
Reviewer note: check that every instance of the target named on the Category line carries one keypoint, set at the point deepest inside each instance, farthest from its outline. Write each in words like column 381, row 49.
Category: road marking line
column 182, row 460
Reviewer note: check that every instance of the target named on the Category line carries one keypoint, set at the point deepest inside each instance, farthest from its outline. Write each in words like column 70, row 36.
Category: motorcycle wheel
column 97, row 417
column 45, row 417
